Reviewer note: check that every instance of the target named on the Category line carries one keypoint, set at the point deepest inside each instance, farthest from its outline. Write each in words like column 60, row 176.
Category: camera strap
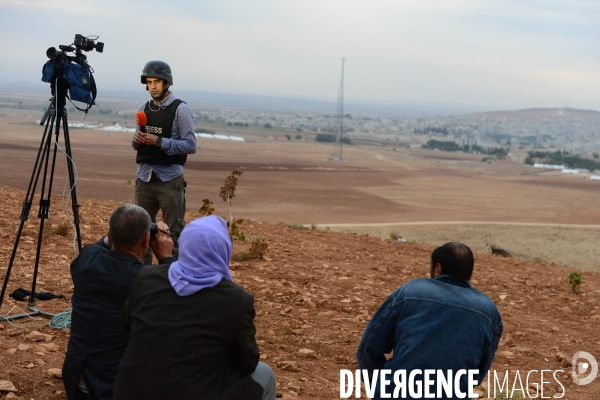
column 93, row 92
column 21, row 293
column 75, row 80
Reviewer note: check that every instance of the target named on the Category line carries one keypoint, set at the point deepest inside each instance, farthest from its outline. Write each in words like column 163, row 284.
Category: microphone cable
column 68, row 194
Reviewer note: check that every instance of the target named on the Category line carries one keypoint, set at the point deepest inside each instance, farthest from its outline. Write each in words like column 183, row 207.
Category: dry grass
column 574, row 246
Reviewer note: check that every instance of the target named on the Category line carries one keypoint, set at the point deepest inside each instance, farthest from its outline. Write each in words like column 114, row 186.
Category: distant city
column 570, row 131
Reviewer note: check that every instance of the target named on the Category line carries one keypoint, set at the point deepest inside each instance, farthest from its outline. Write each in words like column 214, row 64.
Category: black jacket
column 200, row 346
column 102, row 280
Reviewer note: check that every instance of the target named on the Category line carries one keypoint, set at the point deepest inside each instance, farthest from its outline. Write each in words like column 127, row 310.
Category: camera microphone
column 141, row 119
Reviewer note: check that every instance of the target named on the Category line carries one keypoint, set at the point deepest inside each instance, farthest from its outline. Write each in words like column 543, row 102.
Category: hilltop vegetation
column 442, row 145
column 562, row 158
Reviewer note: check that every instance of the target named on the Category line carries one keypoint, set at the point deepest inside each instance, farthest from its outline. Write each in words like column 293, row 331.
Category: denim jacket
column 442, row 324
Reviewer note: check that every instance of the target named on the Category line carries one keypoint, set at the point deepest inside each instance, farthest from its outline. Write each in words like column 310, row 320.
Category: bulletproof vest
column 159, row 123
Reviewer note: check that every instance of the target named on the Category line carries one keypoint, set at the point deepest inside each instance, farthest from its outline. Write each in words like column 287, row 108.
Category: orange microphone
column 141, row 119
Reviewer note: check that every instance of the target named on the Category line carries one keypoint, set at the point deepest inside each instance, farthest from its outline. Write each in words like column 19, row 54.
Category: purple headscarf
column 204, row 251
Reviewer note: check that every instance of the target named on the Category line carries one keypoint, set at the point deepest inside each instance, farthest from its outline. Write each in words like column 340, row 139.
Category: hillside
column 315, row 290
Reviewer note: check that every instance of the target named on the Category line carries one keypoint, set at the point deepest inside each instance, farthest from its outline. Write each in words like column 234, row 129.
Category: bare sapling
column 227, row 193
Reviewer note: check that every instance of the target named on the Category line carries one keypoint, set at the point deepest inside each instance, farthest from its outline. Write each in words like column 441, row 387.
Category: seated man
column 192, row 328
column 441, row 323
column 102, row 276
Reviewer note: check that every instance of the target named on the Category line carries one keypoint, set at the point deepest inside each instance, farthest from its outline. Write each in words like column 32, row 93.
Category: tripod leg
column 44, row 212
column 72, row 180
column 42, row 151
column 44, row 205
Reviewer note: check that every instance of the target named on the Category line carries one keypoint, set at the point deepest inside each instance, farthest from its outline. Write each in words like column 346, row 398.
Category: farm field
column 317, row 288
column 543, row 215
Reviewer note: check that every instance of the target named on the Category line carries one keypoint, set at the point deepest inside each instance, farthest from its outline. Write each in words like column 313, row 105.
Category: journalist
column 441, row 324
column 192, row 328
column 162, row 147
column 102, row 276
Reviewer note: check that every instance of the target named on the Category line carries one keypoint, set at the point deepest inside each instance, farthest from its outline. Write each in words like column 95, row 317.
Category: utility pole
column 336, row 153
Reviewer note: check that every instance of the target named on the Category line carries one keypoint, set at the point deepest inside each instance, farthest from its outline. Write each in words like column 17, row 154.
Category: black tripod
column 53, row 118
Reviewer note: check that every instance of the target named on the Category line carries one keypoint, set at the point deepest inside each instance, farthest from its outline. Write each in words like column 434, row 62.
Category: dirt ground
column 291, row 181
column 315, row 290
column 571, row 245
column 375, row 189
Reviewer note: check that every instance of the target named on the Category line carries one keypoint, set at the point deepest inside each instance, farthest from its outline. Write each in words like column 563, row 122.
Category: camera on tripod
column 67, row 74
column 72, row 73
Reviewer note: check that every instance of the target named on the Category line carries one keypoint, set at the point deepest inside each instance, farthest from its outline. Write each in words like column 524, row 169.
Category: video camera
column 87, row 43
column 81, row 43
column 154, row 230
column 72, row 72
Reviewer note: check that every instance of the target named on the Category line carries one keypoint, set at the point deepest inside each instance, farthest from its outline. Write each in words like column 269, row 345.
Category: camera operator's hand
column 162, row 245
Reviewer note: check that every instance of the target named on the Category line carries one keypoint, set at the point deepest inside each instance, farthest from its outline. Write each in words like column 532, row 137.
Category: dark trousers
column 169, row 197
column 81, row 395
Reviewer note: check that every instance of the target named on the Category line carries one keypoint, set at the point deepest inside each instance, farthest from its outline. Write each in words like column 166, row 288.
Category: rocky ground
column 314, row 293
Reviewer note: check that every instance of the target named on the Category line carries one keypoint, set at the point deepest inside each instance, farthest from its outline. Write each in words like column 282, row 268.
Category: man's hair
column 128, row 225
column 455, row 258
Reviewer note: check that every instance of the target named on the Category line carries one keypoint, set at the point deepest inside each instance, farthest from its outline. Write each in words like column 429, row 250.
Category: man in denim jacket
column 439, row 324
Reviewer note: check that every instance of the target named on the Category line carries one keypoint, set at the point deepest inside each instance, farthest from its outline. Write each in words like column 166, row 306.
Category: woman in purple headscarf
column 204, row 254
column 192, row 328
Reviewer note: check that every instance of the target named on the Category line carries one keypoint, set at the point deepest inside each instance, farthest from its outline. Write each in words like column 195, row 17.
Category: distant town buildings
column 570, row 130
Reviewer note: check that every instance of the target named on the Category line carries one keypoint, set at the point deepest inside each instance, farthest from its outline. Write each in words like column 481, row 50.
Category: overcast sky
column 495, row 54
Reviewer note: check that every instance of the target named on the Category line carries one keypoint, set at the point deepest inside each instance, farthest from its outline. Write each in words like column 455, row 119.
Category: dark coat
column 200, row 346
column 102, row 279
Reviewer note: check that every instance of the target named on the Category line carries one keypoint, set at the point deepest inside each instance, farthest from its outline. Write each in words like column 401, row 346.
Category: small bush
column 324, row 137
column 394, row 235
column 61, row 230
column 207, row 208
column 240, row 257
column 258, row 249
column 576, row 281
column 299, row 226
